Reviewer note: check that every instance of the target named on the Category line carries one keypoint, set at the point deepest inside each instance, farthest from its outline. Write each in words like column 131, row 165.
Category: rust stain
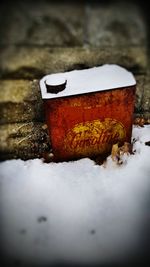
column 88, row 125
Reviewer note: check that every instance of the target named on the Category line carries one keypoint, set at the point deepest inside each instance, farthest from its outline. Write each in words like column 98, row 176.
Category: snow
column 56, row 81
column 74, row 211
column 108, row 76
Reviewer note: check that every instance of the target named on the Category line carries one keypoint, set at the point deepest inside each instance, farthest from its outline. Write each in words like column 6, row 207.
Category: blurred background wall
column 42, row 37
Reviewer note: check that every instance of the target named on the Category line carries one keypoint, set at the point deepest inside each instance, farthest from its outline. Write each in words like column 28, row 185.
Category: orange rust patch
column 88, row 125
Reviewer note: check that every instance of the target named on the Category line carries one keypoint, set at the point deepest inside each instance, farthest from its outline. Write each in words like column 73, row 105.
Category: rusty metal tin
column 87, row 125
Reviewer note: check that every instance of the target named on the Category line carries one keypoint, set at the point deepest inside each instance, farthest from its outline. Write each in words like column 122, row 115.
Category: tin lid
column 77, row 82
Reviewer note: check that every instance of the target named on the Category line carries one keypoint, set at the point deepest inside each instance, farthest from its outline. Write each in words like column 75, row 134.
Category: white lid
column 88, row 80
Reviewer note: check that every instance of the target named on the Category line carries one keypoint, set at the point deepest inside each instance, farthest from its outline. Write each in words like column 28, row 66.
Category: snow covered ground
column 75, row 211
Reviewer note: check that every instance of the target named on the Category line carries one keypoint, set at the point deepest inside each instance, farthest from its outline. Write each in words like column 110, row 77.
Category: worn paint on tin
column 88, row 125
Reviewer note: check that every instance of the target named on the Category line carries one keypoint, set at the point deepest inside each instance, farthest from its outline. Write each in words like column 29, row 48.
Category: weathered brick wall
column 42, row 37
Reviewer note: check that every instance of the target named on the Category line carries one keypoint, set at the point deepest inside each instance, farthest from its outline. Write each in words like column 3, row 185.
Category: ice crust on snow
column 76, row 211
column 108, row 76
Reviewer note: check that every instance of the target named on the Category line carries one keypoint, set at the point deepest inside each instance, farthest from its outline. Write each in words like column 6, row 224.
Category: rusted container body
column 87, row 125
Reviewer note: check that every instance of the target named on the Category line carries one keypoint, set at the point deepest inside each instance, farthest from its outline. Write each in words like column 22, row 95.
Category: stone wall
column 43, row 37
